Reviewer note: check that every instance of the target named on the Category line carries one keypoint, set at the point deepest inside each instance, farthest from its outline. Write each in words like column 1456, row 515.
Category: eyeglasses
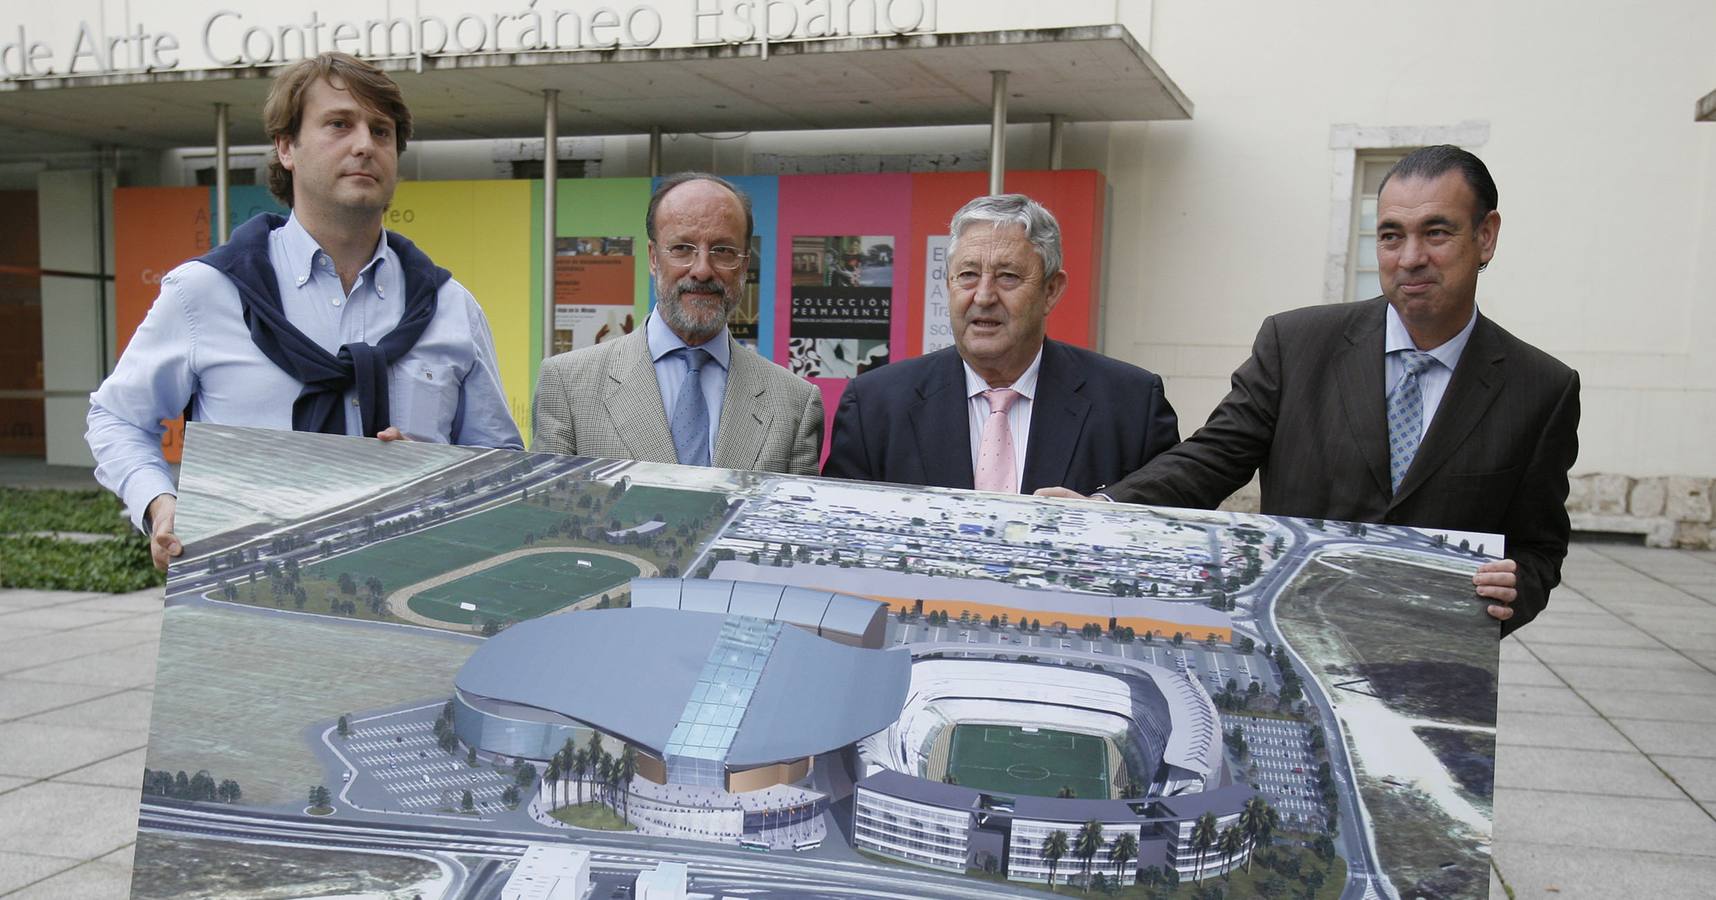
column 720, row 255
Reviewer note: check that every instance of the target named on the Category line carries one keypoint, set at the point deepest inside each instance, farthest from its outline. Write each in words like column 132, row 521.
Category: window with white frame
column 1363, row 280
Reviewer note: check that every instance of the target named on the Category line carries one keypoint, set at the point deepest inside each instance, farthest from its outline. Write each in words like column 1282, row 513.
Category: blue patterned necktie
column 1406, row 414
column 690, row 420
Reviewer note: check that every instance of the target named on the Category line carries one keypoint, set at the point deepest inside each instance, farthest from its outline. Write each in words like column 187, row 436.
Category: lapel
column 1476, row 383
column 1057, row 420
column 745, row 418
column 633, row 399
column 1358, row 371
column 941, row 424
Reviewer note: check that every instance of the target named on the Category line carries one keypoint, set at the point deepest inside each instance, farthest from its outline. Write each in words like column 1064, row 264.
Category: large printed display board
column 431, row 669
column 887, row 231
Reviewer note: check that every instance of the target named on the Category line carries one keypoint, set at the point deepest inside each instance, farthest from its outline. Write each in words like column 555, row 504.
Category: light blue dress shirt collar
column 1397, row 338
column 301, row 252
column 1433, row 383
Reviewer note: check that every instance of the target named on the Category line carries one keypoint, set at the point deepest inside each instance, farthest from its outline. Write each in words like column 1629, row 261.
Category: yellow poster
column 481, row 232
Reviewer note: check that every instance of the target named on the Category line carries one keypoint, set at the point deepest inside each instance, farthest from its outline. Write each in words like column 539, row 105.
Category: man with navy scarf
column 321, row 322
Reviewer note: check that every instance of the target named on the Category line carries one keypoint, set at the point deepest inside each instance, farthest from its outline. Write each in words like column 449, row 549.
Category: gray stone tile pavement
column 1605, row 773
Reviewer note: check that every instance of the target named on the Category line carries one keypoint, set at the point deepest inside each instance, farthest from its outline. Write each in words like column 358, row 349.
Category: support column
column 1057, row 135
column 550, row 185
column 997, row 131
column 223, row 219
column 655, row 151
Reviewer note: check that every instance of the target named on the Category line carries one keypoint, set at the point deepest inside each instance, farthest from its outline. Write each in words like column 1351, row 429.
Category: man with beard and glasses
column 321, row 322
column 680, row 389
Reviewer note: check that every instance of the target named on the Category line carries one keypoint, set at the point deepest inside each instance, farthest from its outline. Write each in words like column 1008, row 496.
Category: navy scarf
column 326, row 376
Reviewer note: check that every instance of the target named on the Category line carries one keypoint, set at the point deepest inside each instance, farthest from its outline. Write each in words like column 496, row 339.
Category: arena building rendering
column 720, row 689
column 751, row 708
column 990, row 757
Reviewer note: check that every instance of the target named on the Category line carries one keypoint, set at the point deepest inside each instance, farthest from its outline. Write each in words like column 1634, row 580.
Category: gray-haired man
column 1004, row 409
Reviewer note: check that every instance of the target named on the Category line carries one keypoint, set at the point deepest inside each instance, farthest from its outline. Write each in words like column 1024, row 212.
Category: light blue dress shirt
column 194, row 343
column 1433, row 383
column 670, row 372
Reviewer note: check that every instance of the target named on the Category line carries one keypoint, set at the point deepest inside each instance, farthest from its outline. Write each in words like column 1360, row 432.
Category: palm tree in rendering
column 597, row 754
column 568, row 761
column 1087, row 845
column 1054, row 847
column 1122, row 851
column 1203, row 837
column 625, row 769
column 1257, row 821
column 580, row 768
column 551, row 781
column 1232, row 841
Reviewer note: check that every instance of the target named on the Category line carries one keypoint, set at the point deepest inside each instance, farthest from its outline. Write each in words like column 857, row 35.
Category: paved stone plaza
column 1605, row 777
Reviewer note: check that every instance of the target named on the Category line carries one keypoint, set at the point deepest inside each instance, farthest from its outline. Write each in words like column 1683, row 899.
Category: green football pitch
column 523, row 588
column 1008, row 759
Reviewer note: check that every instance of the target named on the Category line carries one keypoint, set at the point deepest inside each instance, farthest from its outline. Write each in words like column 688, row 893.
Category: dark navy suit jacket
column 1093, row 421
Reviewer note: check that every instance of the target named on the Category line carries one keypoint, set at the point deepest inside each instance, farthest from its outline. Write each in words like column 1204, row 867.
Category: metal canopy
column 1086, row 74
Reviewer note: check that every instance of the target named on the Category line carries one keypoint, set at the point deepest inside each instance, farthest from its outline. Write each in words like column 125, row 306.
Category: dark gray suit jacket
column 1307, row 409
column 1093, row 420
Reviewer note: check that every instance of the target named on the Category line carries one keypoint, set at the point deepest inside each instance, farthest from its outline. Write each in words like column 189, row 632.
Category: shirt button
column 338, row 300
column 354, row 401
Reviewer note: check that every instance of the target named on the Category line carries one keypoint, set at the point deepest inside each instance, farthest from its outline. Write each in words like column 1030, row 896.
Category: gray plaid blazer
column 604, row 401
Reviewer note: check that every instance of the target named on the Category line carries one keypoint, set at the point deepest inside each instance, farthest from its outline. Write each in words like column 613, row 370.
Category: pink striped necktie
column 995, row 453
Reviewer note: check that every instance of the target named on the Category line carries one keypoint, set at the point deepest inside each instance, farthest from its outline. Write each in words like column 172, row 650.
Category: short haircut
column 998, row 210
column 283, row 114
column 679, row 178
column 1436, row 161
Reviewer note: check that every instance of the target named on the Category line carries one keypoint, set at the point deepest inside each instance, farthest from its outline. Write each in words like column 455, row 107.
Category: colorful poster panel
column 594, row 291
column 451, row 672
column 825, row 207
column 842, row 305
column 595, row 217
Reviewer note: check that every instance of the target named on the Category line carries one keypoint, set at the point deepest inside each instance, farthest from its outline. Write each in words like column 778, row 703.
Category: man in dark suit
column 1004, row 409
column 1411, row 408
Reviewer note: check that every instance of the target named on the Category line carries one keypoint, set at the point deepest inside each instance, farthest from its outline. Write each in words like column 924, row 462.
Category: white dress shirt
column 1433, row 382
column 1018, row 415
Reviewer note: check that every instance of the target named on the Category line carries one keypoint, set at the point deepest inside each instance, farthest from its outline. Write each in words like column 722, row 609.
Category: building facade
column 1255, row 201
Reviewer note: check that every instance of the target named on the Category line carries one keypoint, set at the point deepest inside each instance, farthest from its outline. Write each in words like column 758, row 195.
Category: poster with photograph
column 447, row 672
column 593, row 291
column 842, row 305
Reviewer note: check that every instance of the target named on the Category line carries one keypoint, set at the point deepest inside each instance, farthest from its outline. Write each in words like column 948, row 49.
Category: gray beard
column 682, row 323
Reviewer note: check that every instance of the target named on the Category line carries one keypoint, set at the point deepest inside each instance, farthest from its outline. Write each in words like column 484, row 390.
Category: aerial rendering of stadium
column 989, row 757
column 750, row 708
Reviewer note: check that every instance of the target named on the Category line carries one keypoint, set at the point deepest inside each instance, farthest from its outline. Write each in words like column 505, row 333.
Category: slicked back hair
column 283, row 114
column 1001, row 210
column 1436, row 161
column 679, row 178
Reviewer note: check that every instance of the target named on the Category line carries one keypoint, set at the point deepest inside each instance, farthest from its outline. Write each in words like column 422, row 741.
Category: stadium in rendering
column 989, row 757
column 748, row 708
